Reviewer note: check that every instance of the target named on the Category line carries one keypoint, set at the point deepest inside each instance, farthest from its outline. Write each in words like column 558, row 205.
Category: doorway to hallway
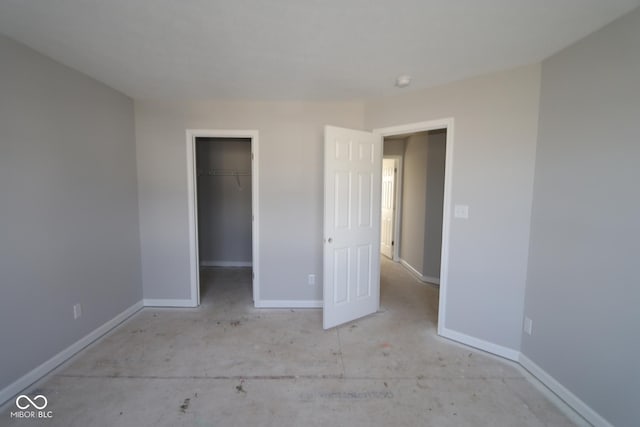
column 352, row 215
column 413, row 175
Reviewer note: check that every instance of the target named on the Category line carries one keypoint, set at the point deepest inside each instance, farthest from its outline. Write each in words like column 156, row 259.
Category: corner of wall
column 30, row 378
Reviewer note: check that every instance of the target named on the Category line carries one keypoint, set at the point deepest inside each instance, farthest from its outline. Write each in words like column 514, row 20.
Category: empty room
column 362, row 213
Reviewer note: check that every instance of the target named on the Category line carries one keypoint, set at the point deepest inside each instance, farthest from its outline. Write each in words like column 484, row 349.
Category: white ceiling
column 297, row 49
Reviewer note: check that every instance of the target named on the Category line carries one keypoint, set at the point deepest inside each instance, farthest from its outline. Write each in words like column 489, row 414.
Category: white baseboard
column 478, row 343
column 417, row 274
column 432, row 280
column 36, row 374
column 411, row 269
column 226, row 264
column 563, row 393
column 573, row 403
column 289, row 304
column 168, row 303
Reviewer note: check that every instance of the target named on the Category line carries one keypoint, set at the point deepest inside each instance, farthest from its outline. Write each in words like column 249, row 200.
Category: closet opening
column 223, row 167
column 222, row 176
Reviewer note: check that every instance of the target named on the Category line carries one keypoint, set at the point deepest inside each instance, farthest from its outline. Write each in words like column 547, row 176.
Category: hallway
column 227, row 363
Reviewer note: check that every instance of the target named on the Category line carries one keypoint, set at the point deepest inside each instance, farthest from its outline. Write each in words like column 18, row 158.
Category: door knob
column 329, row 240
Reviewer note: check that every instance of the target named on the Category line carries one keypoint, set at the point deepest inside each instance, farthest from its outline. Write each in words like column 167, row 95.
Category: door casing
column 388, row 163
column 397, row 214
column 448, row 124
column 194, row 268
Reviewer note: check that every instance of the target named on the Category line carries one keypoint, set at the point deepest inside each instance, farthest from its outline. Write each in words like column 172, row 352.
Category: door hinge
column 253, row 276
column 392, row 243
column 395, row 170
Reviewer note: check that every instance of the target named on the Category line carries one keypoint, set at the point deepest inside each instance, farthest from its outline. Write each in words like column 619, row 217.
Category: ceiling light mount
column 403, row 81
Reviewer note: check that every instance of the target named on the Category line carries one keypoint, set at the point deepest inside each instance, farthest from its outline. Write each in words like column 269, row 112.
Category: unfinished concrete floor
column 229, row 364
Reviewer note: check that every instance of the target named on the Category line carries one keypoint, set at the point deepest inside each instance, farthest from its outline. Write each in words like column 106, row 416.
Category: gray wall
column 496, row 131
column 290, row 166
column 496, row 122
column 434, row 187
column 68, row 217
column 414, row 179
column 224, row 207
column 582, row 285
column 394, row 147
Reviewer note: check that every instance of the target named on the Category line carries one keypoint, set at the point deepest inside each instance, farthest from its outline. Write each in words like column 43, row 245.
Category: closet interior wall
column 224, row 201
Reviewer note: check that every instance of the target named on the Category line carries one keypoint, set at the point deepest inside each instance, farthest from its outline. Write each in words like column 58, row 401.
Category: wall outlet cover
column 461, row 211
column 528, row 326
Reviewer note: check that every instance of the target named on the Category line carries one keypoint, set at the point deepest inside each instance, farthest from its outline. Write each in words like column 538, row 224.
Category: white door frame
column 447, row 124
column 397, row 213
column 194, row 268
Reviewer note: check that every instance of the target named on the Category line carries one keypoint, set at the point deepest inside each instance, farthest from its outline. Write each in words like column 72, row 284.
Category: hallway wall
column 414, row 181
column 434, row 189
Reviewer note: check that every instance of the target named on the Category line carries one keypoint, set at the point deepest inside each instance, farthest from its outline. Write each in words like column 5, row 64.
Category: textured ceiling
column 297, row 49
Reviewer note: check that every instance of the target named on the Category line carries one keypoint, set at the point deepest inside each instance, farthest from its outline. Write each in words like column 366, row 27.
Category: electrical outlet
column 528, row 326
column 312, row 279
column 77, row 311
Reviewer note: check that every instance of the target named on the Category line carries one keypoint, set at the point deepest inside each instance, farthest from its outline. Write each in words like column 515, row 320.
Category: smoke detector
column 403, row 81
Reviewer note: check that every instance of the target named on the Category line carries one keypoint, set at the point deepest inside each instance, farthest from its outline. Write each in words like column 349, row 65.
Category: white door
column 388, row 202
column 352, row 178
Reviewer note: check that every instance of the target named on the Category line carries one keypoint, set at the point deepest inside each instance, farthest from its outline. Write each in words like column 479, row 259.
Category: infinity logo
column 30, row 402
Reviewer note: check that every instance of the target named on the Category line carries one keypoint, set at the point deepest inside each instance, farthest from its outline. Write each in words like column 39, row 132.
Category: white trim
column 570, row 399
column 446, row 226
column 255, row 204
column 36, row 374
column 447, row 124
column 168, row 303
column 417, row 274
column 192, row 134
column 397, row 213
column 192, row 207
column 430, row 279
column 414, row 271
column 226, row 263
column 289, row 304
column 480, row 344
